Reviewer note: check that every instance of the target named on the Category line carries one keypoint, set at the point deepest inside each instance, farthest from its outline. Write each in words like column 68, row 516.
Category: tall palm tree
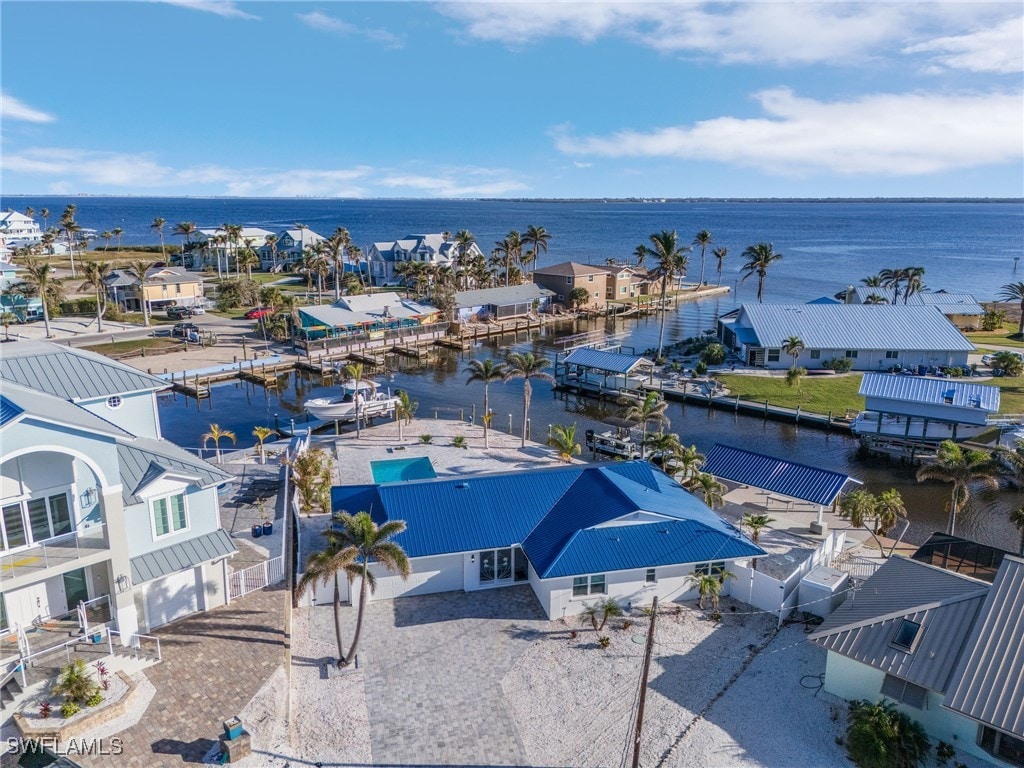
column 756, row 524
column 372, row 543
column 651, row 409
column 44, row 214
column 261, row 434
column 889, row 510
column 6, row 319
column 354, row 372
column 117, row 232
column 107, row 237
column 140, row 268
column 914, row 277
column 689, row 461
column 663, row 447
column 1015, row 292
column 337, row 244
column 523, row 365
column 892, row 278
column 538, row 237
column 671, row 260
column 509, row 251
column 485, row 371
column 95, row 272
column 186, row 230
column 640, row 254
column 354, row 254
column 563, row 440
column 872, row 281
column 961, row 467
column 405, row 409
column 720, row 253
column 759, row 258
column 793, row 346
column 70, row 227
column 40, row 277
column 703, row 239
column 272, row 241
column 861, row 508
column 712, row 491
column 247, row 259
column 327, row 566
column 158, row 226
column 232, row 233
column 709, row 586
column 216, row 434
column 463, row 240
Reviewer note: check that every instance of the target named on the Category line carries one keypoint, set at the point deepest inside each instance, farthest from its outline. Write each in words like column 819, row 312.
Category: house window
column 712, row 569
column 588, row 585
column 561, row 297
column 579, row 586
column 906, row 634
column 851, row 353
column 169, row 515
column 590, row 278
column 597, row 585
column 904, row 692
column 506, row 564
column 114, row 402
column 177, row 288
column 568, row 279
column 892, row 355
column 3, row 614
column 596, row 295
column 651, row 577
column 623, row 289
column 49, row 517
column 1001, row 745
column 773, row 355
column 815, row 354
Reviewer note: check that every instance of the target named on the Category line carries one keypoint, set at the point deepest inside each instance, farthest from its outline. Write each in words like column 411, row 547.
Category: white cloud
column 994, row 49
column 455, row 182
column 881, row 134
column 226, row 8
column 324, row 23
column 15, row 109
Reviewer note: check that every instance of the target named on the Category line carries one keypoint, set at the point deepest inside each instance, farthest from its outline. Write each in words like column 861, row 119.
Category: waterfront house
column 562, row 279
column 372, row 314
column 289, row 249
column 18, row 230
column 502, row 303
column 871, row 337
column 603, row 370
column 961, row 309
column 24, row 308
column 434, row 249
column 214, row 250
column 575, row 534
column 165, row 287
column 97, row 510
column 625, row 282
column 944, row 648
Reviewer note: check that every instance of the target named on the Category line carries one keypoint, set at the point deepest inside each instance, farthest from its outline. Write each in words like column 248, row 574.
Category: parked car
column 989, row 359
column 184, row 330
column 257, row 312
column 198, row 309
column 179, row 313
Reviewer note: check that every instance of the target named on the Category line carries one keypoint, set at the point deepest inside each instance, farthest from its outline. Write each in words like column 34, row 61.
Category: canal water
column 440, row 389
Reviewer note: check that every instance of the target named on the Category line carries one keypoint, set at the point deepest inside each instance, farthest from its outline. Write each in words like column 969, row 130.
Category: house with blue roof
column 97, row 510
column 575, row 533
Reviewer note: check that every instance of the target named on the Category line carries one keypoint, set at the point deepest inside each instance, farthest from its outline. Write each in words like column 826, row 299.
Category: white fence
column 256, row 577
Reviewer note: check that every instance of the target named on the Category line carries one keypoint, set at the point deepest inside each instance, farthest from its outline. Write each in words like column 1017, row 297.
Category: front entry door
column 75, row 588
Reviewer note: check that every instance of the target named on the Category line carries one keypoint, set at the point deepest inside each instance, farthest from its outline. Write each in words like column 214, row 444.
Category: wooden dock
column 417, row 353
column 367, row 358
column 460, row 343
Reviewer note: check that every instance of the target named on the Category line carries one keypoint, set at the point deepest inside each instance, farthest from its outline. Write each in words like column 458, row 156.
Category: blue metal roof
column 599, row 360
column 798, row 481
column 551, row 512
column 8, row 411
column 921, row 389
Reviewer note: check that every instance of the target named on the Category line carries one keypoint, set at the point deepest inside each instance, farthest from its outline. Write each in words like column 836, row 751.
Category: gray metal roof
column 47, row 407
column 854, row 326
column 70, row 373
column 921, row 389
column 950, row 303
column 178, row 557
column 602, row 360
column 989, row 682
column 798, row 481
column 513, row 294
column 143, row 459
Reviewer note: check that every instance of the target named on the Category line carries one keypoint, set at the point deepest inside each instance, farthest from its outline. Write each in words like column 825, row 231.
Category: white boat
column 362, row 395
column 617, row 443
column 891, row 425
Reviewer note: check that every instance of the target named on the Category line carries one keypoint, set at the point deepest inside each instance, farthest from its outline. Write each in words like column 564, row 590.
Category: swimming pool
column 400, row 470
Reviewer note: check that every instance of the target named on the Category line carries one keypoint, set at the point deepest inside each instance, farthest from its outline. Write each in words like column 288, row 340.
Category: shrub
column 458, row 441
column 45, row 710
column 880, row 736
column 713, row 354
column 838, row 364
column 69, row 709
column 75, row 683
column 113, row 312
column 425, row 439
column 311, row 474
column 944, row 752
column 95, row 700
column 604, row 642
column 701, row 368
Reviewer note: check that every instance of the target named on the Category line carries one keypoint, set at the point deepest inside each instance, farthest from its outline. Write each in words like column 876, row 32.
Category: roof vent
column 663, row 530
column 462, row 485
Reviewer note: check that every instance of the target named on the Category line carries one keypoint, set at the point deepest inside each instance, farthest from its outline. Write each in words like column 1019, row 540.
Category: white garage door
column 442, row 573
column 171, row 598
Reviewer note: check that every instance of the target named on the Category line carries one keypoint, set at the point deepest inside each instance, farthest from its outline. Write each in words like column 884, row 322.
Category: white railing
column 134, row 643
column 255, row 577
column 62, row 548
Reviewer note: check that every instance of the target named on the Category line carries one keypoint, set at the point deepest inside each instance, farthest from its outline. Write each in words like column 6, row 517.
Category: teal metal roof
column 600, row 360
column 184, row 554
column 144, row 459
column 798, row 481
column 922, row 389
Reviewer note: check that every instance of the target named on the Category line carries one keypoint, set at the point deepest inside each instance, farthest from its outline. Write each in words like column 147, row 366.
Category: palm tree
column 793, row 346
column 463, row 240
column 861, row 508
column 337, row 244
column 756, row 524
column 405, row 409
column 158, row 225
column 44, row 214
column 605, row 609
column 6, row 319
column 69, row 227
column 640, row 254
column 889, row 510
column 217, row 434
column 327, row 566
column 523, row 365
column 140, row 268
column 712, row 491
column 261, row 434
column 1017, row 518
column 247, row 259
column 117, row 232
column 671, row 261
column 709, row 585
column 271, row 241
column 107, row 237
column 961, row 467
column 372, row 544
column 663, row 447
column 354, row 372
column 794, row 375
column 563, row 440
column 689, row 461
column 891, row 278
column 509, row 251
column 759, row 257
column 915, row 282
column 485, row 371
column 40, row 277
column 538, row 237
column 874, row 298
column 720, row 253
column 703, row 239
column 95, row 272
column 652, row 409
column 1015, row 292
column 872, row 281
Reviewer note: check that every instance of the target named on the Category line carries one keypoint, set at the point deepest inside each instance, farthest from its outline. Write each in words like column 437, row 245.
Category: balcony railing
column 53, row 552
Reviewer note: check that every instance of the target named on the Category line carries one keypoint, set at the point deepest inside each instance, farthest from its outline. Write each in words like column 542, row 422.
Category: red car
column 256, row 313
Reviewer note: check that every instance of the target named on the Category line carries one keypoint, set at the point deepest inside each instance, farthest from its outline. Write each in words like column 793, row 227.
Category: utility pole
column 643, row 685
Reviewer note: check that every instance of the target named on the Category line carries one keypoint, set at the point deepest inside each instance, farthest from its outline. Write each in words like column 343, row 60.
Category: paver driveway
column 434, row 666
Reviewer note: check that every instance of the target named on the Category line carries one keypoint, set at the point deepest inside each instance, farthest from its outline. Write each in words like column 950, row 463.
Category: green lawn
column 1011, row 398
column 816, row 394
column 999, row 338
column 120, row 347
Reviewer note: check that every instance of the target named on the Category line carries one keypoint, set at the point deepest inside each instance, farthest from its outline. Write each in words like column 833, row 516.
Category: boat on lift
column 363, row 398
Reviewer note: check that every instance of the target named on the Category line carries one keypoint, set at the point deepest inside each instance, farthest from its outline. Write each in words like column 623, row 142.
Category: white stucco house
column 213, row 248
column 574, row 533
column 95, row 507
column 288, row 250
column 19, row 230
column 433, row 249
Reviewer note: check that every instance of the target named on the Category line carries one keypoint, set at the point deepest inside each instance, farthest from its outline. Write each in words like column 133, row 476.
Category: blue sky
column 512, row 99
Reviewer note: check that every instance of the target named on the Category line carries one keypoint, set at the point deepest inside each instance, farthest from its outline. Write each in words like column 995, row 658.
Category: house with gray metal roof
column 945, row 648
column 502, row 303
column 437, row 249
column 96, row 509
column 961, row 309
column 575, row 533
column 365, row 313
column 871, row 337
